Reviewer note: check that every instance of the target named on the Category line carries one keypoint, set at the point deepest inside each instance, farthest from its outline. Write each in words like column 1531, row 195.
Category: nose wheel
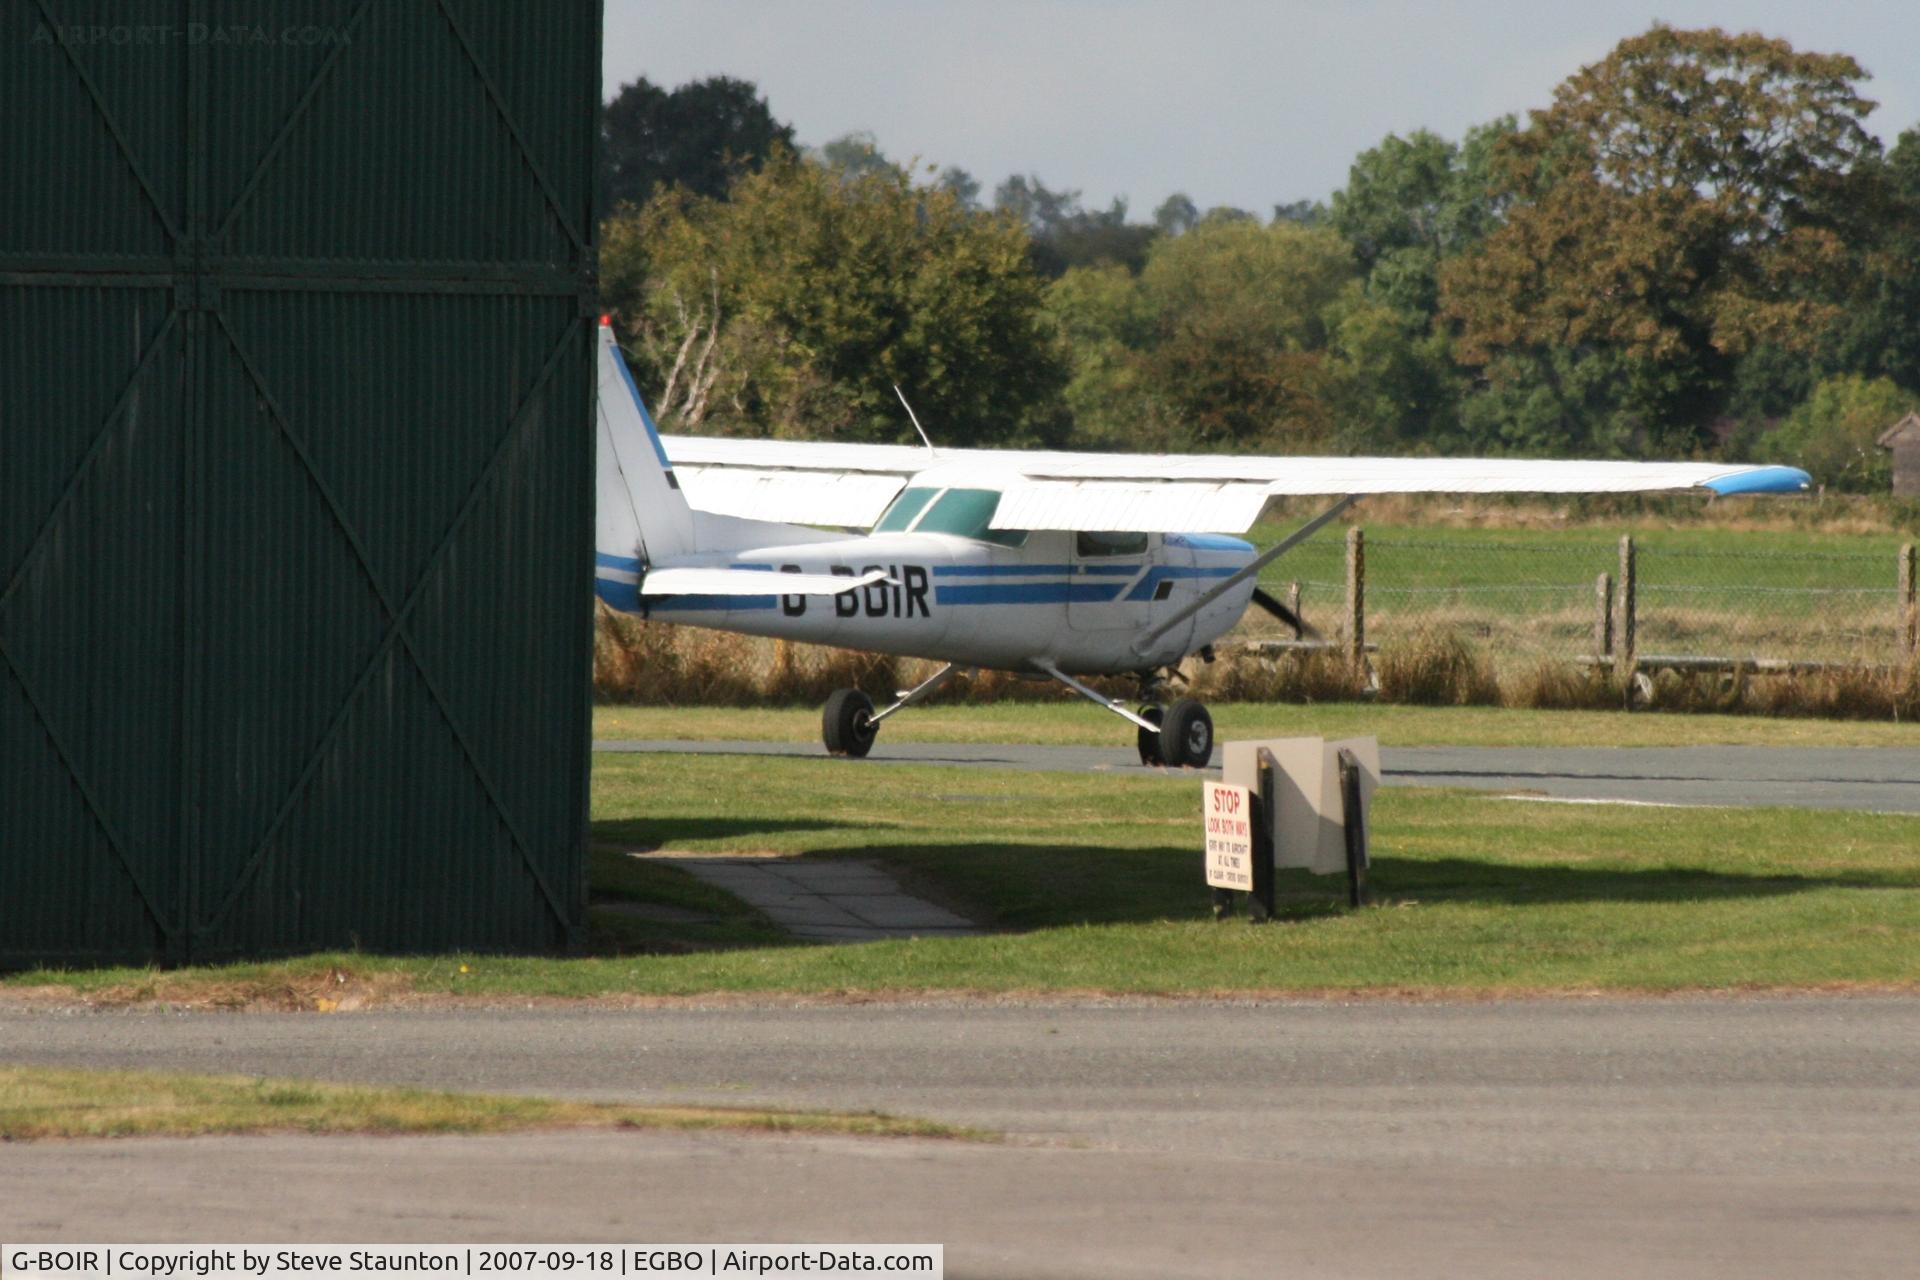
column 847, row 723
column 1186, row 736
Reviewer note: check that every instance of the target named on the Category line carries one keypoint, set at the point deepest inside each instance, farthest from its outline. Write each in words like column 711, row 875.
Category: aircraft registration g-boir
column 1053, row 565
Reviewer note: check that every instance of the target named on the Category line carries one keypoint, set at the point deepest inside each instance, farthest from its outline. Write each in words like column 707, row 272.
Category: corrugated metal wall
column 295, row 475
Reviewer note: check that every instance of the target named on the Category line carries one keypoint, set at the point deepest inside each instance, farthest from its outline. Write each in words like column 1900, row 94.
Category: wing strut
column 1260, row 562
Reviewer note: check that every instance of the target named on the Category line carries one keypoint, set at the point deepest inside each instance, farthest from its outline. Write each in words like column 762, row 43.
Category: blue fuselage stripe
column 1026, row 570
column 1143, row 590
column 1027, row 593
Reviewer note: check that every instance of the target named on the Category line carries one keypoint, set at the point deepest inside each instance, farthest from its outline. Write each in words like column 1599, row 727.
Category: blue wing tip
column 1763, row 480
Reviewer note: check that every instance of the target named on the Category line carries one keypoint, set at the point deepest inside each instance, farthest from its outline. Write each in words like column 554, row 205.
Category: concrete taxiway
column 1697, row 1137
column 1875, row 779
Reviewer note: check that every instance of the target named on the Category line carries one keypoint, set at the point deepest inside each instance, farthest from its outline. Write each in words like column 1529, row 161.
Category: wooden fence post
column 1909, row 606
column 1356, row 595
column 1293, row 598
column 1603, row 616
column 1623, row 615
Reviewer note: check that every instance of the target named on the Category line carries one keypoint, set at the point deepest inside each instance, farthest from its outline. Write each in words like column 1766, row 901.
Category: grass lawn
column 46, row 1102
column 1095, row 882
column 1080, row 723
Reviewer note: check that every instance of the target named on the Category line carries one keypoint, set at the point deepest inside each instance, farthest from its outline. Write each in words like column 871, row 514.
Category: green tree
column 1881, row 332
column 793, row 306
column 1104, row 323
column 698, row 136
column 1237, row 351
column 961, row 185
column 1391, row 375
column 1410, row 203
column 1176, row 214
column 855, row 155
column 1671, row 210
column 1308, row 213
column 1065, row 234
column 1833, row 434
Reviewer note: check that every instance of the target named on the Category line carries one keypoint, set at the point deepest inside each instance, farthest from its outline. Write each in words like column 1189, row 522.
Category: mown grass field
column 1079, row 723
column 1527, row 593
column 1095, row 886
column 1482, row 555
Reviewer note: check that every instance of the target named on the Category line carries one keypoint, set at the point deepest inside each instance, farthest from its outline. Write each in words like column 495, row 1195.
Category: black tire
column 1186, row 735
column 1148, row 740
column 847, row 723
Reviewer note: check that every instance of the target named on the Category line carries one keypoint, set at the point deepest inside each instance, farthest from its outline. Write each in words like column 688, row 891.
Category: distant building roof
column 1907, row 428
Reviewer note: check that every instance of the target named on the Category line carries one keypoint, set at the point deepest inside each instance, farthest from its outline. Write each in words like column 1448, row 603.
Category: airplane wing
column 851, row 484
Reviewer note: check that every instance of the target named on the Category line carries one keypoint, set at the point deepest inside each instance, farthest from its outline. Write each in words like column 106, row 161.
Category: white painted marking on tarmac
column 1632, row 804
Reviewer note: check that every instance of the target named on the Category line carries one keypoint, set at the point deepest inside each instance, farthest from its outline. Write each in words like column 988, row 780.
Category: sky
column 1239, row 102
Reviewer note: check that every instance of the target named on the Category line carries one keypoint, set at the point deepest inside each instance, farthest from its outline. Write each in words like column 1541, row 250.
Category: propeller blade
column 1301, row 631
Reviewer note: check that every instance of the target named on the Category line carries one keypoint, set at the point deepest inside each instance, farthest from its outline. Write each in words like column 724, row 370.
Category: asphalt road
column 1694, row 1137
column 1877, row 779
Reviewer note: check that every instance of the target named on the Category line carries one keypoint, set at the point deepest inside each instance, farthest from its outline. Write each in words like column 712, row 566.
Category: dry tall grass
column 668, row 665
column 1436, row 669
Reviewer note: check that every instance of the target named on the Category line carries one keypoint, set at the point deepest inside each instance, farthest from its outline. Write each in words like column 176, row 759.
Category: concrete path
column 1602, row 1138
column 1875, row 779
column 822, row 901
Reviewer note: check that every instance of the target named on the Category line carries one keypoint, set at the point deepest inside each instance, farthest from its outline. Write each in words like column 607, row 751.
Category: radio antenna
column 911, row 417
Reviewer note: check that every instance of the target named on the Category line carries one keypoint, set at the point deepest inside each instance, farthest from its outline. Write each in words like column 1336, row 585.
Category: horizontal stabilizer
column 752, row 582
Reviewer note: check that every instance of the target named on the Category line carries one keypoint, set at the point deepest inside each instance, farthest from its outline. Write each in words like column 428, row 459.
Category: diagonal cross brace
column 87, row 459
column 294, row 117
column 513, row 129
column 113, row 126
column 95, row 809
column 515, row 424
column 394, row 620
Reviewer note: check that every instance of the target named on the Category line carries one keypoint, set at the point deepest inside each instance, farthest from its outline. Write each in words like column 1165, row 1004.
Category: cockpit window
column 966, row 513
column 1110, row 544
column 898, row 518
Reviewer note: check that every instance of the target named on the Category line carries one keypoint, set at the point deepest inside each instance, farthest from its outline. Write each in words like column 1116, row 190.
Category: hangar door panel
column 295, row 480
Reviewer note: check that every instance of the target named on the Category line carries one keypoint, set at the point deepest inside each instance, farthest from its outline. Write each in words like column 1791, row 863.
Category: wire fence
column 1516, row 607
column 1519, row 603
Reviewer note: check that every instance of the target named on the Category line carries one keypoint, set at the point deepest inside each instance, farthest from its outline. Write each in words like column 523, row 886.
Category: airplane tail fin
column 643, row 517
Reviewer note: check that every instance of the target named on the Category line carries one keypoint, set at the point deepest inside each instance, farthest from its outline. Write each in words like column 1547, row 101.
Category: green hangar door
column 296, row 442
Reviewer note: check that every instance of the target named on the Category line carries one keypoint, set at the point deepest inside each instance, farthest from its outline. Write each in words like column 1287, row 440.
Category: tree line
column 1695, row 249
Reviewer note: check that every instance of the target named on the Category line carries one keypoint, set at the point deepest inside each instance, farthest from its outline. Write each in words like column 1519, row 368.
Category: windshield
column 966, row 513
column 1110, row 544
column 899, row 517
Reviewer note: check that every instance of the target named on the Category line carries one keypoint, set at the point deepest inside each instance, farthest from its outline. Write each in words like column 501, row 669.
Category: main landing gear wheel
column 1186, row 735
column 847, row 723
column 1148, row 740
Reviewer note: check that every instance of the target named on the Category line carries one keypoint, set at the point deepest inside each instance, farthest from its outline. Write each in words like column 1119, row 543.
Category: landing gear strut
column 1179, row 736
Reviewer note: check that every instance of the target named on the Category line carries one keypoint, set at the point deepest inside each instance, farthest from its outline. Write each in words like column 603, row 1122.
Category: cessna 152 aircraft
column 1053, row 565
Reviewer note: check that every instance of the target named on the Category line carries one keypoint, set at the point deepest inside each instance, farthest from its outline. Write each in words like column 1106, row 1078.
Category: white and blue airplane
column 1053, row 565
